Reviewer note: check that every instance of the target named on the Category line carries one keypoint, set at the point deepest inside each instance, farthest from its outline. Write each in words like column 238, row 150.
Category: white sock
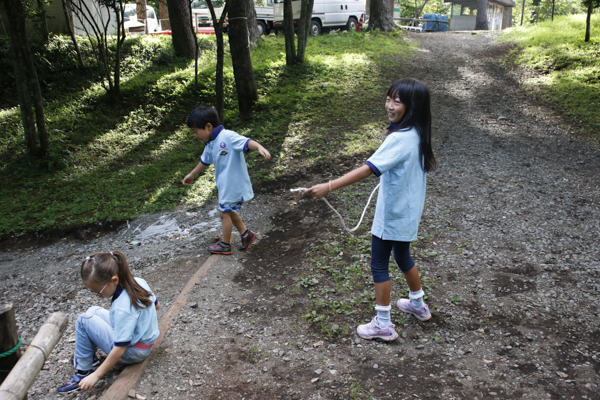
column 416, row 298
column 383, row 315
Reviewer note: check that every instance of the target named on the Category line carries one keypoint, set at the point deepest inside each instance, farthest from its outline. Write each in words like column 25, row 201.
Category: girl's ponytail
column 135, row 291
column 101, row 267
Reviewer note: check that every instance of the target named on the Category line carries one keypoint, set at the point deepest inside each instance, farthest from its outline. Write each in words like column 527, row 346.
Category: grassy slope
column 567, row 70
column 110, row 161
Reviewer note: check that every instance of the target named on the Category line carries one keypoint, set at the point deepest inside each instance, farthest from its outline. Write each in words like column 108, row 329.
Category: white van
column 201, row 13
column 133, row 25
column 344, row 14
column 265, row 17
column 83, row 25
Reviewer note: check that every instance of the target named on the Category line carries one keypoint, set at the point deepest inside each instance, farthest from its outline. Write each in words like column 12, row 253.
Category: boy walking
column 225, row 149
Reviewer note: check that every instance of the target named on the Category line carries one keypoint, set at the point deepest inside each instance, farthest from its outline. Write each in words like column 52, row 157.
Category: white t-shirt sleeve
column 239, row 142
column 206, row 158
column 388, row 155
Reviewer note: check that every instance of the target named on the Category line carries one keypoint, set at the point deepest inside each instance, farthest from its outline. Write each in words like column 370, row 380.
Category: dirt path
column 509, row 251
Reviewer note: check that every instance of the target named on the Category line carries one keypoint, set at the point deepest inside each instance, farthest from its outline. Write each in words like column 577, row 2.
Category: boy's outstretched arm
column 322, row 189
column 90, row 381
column 252, row 145
column 189, row 178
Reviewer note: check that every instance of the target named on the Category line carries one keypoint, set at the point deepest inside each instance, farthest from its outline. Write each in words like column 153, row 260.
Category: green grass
column 567, row 70
column 115, row 161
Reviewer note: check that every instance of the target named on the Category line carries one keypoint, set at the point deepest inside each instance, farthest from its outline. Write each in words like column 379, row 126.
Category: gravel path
column 511, row 232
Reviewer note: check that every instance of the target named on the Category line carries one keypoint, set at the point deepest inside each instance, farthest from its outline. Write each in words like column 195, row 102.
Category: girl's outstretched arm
column 90, row 381
column 323, row 189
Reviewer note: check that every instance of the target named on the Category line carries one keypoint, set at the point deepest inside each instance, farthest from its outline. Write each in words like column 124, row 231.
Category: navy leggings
column 380, row 257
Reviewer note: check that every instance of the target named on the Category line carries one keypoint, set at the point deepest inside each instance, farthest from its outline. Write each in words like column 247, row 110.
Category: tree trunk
column 303, row 28
column 481, row 22
column 9, row 338
column 419, row 12
column 220, row 102
column 164, row 15
column 254, row 34
column 120, row 15
column 288, row 30
column 42, row 23
column 184, row 40
column 69, row 18
column 241, row 59
column 28, row 87
column 588, row 21
column 381, row 16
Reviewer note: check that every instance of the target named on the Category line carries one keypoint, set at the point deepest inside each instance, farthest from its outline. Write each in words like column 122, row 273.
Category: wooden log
column 23, row 374
column 8, row 339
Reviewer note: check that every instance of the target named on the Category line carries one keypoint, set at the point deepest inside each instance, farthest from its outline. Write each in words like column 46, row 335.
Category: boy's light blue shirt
column 131, row 325
column 401, row 194
column 226, row 150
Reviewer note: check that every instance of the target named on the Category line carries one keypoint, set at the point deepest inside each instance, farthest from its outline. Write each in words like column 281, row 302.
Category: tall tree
column 95, row 18
column 218, row 25
column 481, row 21
column 591, row 4
column 66, row 5
column 26, row 79
column 306, row 9
column 293, row 55
column 381, row 16
column 288, row 31
column 183, row 37
column 239, row 47
column 253, row 32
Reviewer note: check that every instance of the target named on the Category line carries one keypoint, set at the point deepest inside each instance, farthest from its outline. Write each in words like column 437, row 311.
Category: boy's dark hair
column 202, row 115
column 415, row 96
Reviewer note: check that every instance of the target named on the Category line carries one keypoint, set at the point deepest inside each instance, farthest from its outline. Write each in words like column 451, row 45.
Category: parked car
column 265, row 17
column 133, row 25
column 201, row 12
column 344, row 14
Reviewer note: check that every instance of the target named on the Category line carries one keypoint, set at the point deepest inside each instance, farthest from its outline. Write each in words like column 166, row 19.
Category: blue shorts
column 380, row 257
column 230, row 207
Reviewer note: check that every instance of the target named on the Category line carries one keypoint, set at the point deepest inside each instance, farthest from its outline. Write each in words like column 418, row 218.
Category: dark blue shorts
column 380, row 257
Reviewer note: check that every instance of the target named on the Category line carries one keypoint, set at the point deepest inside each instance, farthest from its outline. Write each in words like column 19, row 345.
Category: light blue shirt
column 401, row 194
column 226, row 150
column 132, row 325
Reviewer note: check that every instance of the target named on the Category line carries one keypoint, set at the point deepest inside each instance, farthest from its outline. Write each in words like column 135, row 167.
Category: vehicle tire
column 262, row 28
column 352, row 24
column 315, row 28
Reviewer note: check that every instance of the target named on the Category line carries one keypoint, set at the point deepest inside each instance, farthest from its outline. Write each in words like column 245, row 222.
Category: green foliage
column 543, row 10
column 567, row 70
column 114, row 161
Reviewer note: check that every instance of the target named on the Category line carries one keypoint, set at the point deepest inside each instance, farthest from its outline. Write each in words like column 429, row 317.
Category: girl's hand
column 317, row 191
column 89, row 381
column 265, row 153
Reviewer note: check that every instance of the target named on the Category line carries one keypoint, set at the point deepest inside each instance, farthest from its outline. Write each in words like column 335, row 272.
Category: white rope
column 338, row 214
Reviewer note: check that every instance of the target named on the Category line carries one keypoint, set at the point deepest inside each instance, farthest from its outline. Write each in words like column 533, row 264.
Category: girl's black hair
column 99, row 268
column 415, row 96
column 202, row 115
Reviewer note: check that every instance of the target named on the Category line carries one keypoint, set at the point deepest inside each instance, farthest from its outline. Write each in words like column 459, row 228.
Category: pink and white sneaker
column 421, row 313
column 372, row 330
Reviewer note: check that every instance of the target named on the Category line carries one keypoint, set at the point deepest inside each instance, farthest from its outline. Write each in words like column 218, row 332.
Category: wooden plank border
column 131, row 374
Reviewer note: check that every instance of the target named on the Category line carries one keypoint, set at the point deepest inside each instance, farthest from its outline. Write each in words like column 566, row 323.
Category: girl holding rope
column 401, row 162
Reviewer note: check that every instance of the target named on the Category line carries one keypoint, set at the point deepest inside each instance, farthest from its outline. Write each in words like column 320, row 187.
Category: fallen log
column 23, row 374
